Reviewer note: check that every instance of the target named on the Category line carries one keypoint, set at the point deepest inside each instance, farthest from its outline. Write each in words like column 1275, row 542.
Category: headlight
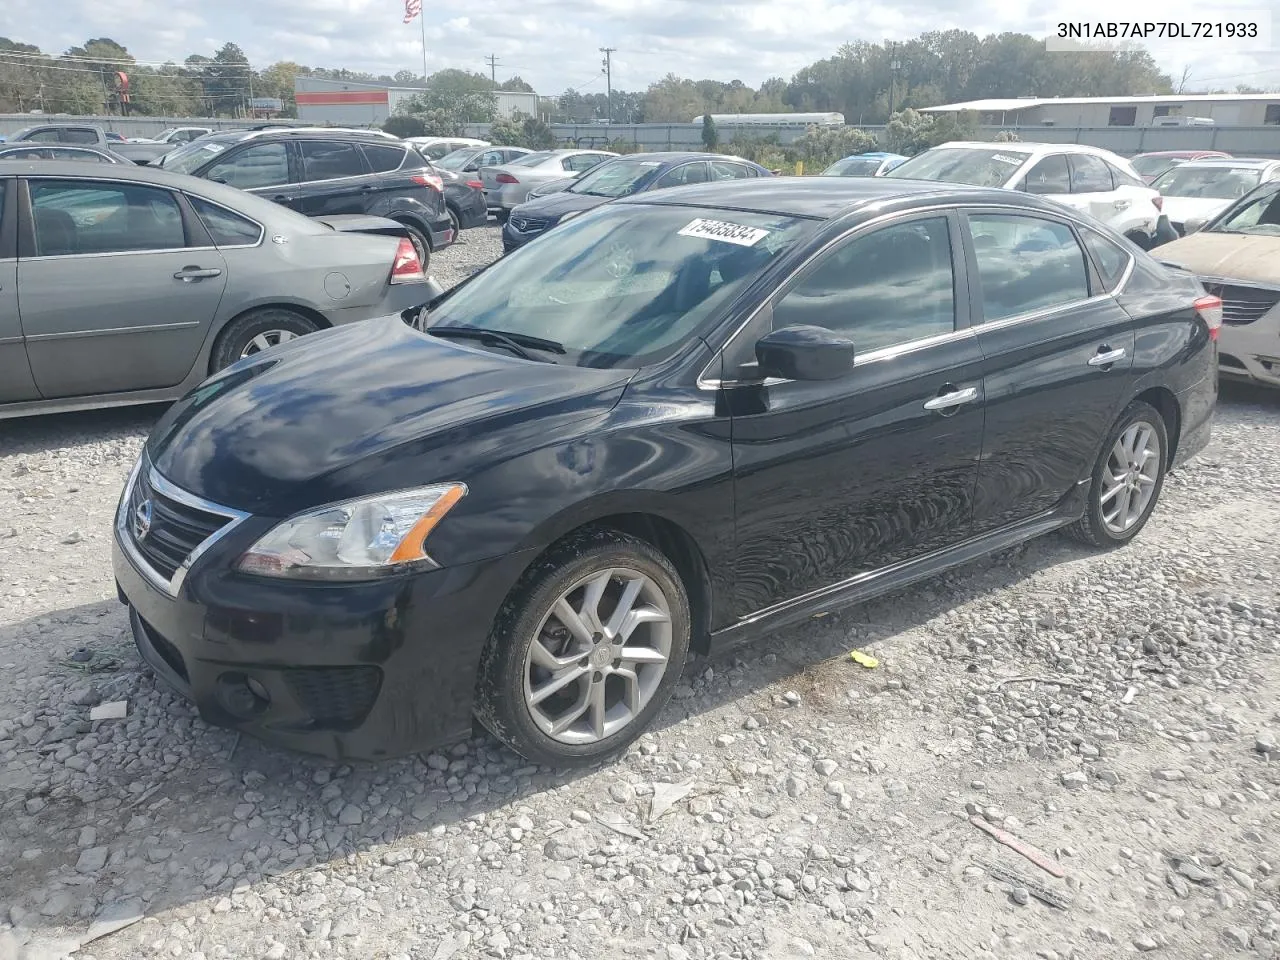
column 355, row 540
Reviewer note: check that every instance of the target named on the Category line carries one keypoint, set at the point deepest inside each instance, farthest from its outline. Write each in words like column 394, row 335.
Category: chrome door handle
column 1104, row 358
column 188, row 274
column 953, row 399
column 1121, row 204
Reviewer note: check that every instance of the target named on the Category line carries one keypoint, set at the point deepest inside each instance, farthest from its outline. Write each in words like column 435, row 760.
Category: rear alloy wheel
column 587, row 652
column 455, row 224
column 1126, row 480
column 256, row 331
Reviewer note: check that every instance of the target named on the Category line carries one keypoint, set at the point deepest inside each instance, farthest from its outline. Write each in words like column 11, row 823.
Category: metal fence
column 1126, row 141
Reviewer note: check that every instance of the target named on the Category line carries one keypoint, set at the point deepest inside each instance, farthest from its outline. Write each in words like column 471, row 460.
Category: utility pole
column 606, row 67
column 894, row 64
column 492, row 60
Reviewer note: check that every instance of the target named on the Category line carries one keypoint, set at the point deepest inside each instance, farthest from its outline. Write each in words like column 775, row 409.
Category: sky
column 553, row 44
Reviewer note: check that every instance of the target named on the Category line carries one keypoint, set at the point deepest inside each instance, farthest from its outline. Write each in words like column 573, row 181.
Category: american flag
column 412, row 8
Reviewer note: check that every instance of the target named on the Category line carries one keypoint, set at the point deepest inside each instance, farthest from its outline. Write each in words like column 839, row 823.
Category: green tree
column 405, row 125
column 822, row 146
column 516, row 84
column 506, row 132
column 710, row 135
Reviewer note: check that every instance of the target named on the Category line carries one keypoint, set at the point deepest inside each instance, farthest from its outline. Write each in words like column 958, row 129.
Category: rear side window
column 689, row 173
column 383, row 159
column 67, row 153
column 330, row 160
column 76, row 216
column 1026, row 264
column 227, row 229
column 1089, row 175
column 1048, row 176
column 730, row 171
column 79, row 135
column 1123, row 179
column 1108, row 257
column 886, row 288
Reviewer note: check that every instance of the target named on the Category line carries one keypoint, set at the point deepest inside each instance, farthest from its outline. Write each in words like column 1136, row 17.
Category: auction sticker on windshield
column 734, row 233
column 1003, row 159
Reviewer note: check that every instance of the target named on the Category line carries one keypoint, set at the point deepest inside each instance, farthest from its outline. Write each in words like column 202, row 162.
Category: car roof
column 1182, row 153
column 1228, row 162
column 823, row 198
column 676, row 156
column 1031, row 148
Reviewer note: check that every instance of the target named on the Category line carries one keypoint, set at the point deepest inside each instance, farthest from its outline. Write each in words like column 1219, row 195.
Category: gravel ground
column 1118, row 711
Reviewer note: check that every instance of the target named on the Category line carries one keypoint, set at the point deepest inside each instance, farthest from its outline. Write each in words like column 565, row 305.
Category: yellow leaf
column 865, row 659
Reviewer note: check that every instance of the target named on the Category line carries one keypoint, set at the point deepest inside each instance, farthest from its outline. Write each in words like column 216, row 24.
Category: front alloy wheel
column 1127, row 479
column 585, row 652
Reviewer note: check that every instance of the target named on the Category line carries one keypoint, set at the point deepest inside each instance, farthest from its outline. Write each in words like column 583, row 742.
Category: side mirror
column 1191, row 226
column 470, row 168
column 804, row 353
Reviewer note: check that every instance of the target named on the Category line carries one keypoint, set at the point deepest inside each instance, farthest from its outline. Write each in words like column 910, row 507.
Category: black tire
column 455, row 223
column 1092, row 528
column 1141, row 240
column 500, row 701
column 501, row 216
column 420, row 243
column 237, row 336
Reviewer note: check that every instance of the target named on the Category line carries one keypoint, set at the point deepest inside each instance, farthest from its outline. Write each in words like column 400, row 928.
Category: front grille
column 1242, row 305
column 335, row 696
column 176, row 528
column 529, row 224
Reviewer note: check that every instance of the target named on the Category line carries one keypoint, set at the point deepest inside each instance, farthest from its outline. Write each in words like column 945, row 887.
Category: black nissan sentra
column 681, row 421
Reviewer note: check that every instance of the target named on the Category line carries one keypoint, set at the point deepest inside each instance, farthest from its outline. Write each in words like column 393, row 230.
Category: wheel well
column 683, row 552
column 1167, row 404
column 315, row 316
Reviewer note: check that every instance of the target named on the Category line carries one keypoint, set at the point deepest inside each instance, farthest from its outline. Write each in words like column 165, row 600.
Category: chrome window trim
column 117, row 253
column 262, row 230
column 707, row 381
column 124, row 536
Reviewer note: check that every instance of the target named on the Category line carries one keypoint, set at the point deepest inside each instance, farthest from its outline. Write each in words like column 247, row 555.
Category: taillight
column 1159, row 202
column 475, row 184
column 406, row 268
column 1210, row 309
column 428, row 180
column 506, row 178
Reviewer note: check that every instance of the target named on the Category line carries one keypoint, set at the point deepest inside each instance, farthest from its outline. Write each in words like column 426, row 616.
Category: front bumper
column 507, row 198
column 348, row 671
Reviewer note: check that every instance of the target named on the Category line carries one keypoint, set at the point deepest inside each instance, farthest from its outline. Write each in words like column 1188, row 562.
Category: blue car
column 864, row 165
column 623, row 177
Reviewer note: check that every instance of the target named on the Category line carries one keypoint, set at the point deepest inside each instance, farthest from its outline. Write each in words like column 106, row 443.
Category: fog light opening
column 242, row 696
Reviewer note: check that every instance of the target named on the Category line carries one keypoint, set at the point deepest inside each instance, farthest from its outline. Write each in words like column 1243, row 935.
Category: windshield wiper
column 515, row 342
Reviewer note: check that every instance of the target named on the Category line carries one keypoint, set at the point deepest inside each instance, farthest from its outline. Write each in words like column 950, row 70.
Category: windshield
column 624, row 285
column 1208, row 183
column 166, row 133
column 1258, row 214
column 187, row 158
column 854, row 167
column 617, row 178
column 1154, row 166
column 456, row 160
column 971, row 165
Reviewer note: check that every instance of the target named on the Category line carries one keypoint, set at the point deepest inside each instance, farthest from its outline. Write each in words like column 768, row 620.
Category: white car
column 1197, row 191
column 433, row 148
column 1088, row 179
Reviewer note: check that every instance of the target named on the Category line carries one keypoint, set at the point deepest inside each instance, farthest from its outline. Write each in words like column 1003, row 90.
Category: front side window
column 74, row 216
column 330, row 160
column 27, row 153
column 227, row 229
column 1026, row 264
column 979, row 167
column 45, row 136
column 262, row 165
column 1089, row 175
column 1049, row 176
column 680, row 176
column 622, row 286
column 1259, row 213
column 882, row 289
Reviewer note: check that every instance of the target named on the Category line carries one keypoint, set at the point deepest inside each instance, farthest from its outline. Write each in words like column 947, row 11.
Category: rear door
column 1058, row 361
column 119, row 285
column 16, row 382
column 1093, row 190
column 336, row 178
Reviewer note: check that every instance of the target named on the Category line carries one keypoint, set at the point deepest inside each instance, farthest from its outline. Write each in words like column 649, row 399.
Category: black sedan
column 623, row 177
column 684, row 420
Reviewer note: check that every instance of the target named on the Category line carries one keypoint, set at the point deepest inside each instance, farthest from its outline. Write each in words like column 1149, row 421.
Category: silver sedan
column 508, row 185
column 124, row 284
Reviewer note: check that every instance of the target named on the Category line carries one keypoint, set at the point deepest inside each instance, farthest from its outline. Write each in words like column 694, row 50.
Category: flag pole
column 422, row 22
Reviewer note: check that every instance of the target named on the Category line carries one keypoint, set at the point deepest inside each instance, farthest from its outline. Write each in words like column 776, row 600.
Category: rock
column 1237, row 937
column 1169, row 776
column 1145, row 944
column 274, row 951
column 796, row 787
column 88, row 837
column 751, row 723
column 940, row 855
column 1021, row 896
column 1266, row 743
column 351, row 815
column 1074, row 780
column 622, row 792
column 57, row 904
column 1109, row 777
column 1194, row 872
column 896, row 789
column 825, row 768
column 1100, row 934
column 92, row 860
column 724, row 740
column 791, row 697
column 567, row 845
column 558, row 872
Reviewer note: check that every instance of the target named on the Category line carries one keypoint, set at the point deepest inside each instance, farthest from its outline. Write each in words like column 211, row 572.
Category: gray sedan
column 506, row 186
column 53, row 151
column 124, row 284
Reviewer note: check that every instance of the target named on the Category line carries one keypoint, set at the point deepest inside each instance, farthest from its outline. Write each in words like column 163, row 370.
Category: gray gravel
column 1119, row 711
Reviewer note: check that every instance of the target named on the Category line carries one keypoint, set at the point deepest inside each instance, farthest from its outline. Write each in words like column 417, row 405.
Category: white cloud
column 554, row 44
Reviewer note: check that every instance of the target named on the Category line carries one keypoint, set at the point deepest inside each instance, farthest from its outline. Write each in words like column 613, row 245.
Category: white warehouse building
column 1223, row 109
column 352, row 103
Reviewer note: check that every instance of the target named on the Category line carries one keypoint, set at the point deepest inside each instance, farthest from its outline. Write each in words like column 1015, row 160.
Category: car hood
column 1234, row 256
column 555, row 205
column 1182, row 209
column 361, row 408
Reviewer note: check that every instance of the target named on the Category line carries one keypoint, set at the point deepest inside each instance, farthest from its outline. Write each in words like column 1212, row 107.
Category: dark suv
column 325, row 173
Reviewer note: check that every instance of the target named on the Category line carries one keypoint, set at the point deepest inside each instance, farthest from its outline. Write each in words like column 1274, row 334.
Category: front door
column 112, row 299
column 840, row 478
column 261, row 168
column 1058, row 352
